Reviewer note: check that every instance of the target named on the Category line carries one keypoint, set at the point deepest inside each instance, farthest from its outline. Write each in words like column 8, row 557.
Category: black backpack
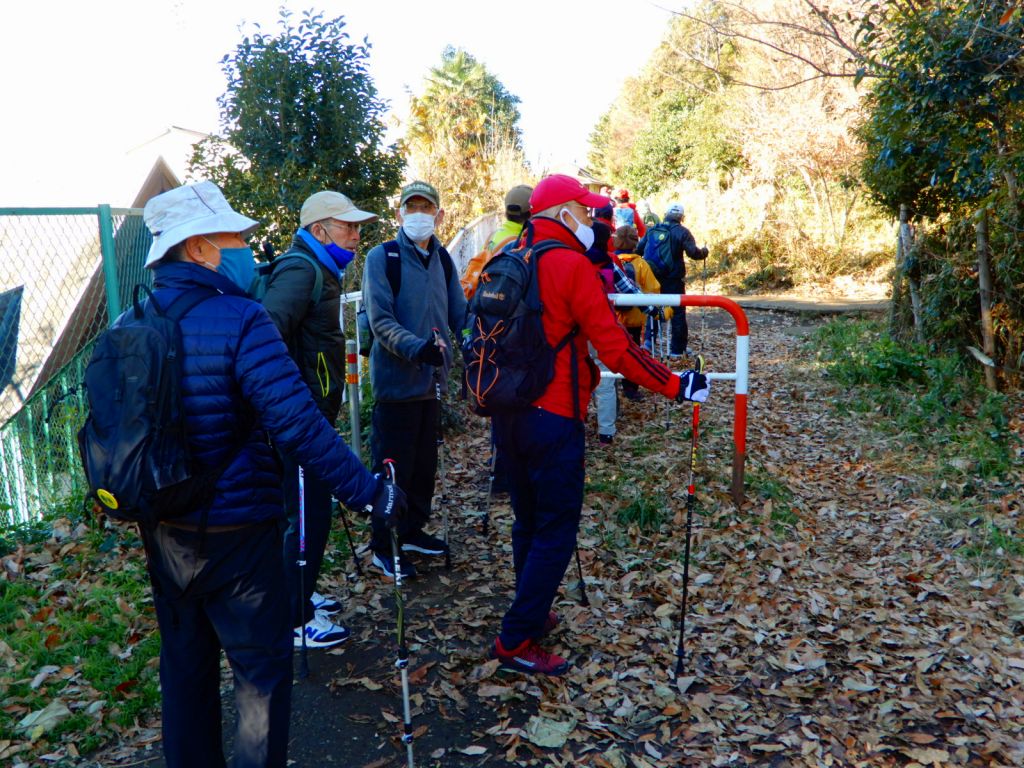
column 658, row 250
column 393, row 271
column 261, row 281
column 134, row 445
column 509, row 362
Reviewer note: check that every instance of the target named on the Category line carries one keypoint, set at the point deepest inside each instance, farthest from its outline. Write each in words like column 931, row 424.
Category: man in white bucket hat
column 217, row 572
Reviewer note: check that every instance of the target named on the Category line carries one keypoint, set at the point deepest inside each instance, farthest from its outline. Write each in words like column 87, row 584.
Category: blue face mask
column 341, row 256
column 238, row 265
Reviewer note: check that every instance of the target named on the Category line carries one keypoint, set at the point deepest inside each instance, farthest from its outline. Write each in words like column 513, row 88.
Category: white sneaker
column 320, row 632
column 326, row 604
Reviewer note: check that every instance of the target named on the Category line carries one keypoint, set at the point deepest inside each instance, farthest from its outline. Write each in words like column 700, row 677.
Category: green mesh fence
column 64, row 273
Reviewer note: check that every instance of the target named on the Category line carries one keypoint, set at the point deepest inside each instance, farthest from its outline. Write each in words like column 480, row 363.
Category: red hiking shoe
column 529, row 657
column 550, row 623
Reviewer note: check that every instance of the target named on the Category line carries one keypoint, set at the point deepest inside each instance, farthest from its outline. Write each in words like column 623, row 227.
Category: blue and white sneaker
column 386, row 565
column 325, row 604
column 320, row 632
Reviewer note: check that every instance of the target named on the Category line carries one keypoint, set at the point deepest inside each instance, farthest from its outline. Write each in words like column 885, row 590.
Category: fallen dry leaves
column 830, row 622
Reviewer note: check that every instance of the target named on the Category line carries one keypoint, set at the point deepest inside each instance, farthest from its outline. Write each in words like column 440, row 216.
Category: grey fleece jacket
column 401, row 324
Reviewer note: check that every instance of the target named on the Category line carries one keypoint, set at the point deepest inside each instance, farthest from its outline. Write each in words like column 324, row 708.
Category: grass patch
column 79, row 628
column 963, row 446
column 646, row 511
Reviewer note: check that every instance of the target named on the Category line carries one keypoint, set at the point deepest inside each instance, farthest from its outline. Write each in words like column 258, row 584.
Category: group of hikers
column 261, row 391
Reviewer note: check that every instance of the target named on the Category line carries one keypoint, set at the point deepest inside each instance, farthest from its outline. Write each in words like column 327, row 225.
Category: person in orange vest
column 517, row 211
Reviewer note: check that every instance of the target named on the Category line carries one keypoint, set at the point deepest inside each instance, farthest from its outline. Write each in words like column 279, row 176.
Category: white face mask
column 418, row 226
column 583, row 233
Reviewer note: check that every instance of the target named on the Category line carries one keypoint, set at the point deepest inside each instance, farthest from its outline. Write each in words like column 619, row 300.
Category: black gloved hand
column 389, row 504
column 430, row 354
column 704, row 252
column 693, row 385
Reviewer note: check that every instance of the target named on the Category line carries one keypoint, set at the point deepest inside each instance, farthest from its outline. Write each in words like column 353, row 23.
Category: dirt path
column 829, row 623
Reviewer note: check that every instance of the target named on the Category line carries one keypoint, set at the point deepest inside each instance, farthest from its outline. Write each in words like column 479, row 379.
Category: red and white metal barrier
column 740, row 375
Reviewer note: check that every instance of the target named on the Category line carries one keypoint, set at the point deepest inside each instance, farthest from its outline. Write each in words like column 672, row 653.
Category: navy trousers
column 406, row 432
column 543, row 453
column 224, row 592
column 318, row 508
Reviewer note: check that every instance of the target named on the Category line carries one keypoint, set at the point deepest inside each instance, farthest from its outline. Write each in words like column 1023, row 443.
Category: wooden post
column 988, row 340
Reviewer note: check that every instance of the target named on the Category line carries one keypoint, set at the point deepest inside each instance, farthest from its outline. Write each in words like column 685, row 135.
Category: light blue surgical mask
column 237, row 264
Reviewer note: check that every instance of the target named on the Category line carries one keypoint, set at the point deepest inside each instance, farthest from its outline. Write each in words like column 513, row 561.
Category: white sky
column 83, row 82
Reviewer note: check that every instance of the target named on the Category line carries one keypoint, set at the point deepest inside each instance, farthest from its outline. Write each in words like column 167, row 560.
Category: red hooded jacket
column 571, row 292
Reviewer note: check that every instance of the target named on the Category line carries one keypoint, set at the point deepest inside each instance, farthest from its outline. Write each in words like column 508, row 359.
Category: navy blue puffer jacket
column 233, row 356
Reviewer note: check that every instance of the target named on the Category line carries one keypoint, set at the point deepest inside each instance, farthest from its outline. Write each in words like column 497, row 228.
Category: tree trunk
column 897, row 277
column 907, row 248
column 988, row 340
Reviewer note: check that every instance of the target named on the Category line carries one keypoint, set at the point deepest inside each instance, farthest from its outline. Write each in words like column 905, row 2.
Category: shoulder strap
column 393, row 266
column 446, row 263
column 318, row 280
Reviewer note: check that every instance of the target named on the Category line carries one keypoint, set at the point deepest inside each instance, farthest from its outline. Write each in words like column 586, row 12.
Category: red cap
column 558, row 188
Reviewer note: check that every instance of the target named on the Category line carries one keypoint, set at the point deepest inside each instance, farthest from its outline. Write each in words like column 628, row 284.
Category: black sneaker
column 386, row 564
column 424, row 543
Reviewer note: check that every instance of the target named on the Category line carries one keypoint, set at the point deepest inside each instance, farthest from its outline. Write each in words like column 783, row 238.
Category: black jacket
column 311, row 331
column 681, row 242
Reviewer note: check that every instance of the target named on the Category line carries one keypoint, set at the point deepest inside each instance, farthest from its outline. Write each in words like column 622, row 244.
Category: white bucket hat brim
column 194, row 209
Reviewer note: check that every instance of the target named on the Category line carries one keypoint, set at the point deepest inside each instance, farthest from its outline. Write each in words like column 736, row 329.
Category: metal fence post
column 352, row 382
column 106, row 224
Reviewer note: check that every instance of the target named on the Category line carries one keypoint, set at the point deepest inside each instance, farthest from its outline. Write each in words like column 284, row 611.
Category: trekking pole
column 663, row 346
column 303, row 660
column 403, row 652
column 490, row 488
column 351, row 542
column 584, row 600
column 440, row 454
column 691, row 500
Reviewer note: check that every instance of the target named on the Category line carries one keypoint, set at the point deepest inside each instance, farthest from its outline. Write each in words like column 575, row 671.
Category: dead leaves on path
column 829, row 625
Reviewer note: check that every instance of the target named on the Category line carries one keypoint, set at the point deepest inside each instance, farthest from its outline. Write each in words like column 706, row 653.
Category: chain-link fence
column 64, row 273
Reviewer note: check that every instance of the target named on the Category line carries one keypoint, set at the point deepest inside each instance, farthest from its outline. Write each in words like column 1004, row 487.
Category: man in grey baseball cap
column 330, row 225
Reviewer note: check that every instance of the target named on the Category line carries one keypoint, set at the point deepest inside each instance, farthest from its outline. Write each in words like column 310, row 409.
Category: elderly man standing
column 309, row 321
column 544, row 444
column 216, row 570
column 412, row 295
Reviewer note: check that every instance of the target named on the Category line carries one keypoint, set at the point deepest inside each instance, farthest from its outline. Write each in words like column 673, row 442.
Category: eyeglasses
column 420, row 206
column 357, row 228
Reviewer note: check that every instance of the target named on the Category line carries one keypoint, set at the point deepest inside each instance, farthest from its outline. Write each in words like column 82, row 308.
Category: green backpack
column 658, row 250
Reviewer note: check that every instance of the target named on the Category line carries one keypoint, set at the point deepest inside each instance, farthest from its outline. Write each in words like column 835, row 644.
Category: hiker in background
column 309, row 322
column 412, row 298
column 517, row 211
column 663, row 249
column 605, row 393
column 634, row 318
column 626, row 214
column 648, row 217
column 604, row 216
column 217, row 572
column 544, row 444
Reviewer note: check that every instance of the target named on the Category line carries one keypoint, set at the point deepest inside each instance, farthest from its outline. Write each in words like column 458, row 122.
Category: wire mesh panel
column 62, row 271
